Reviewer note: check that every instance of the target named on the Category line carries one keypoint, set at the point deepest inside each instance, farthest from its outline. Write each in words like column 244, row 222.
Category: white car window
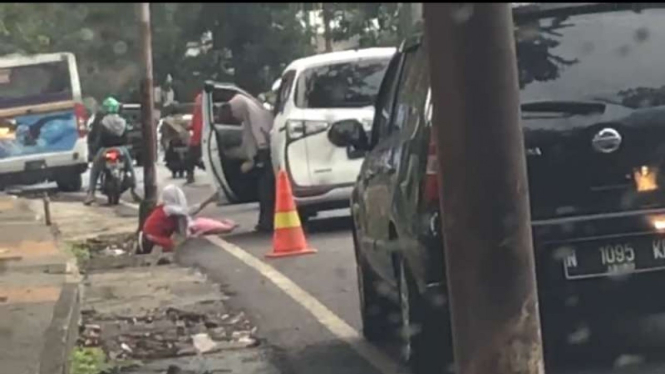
column 344, row 85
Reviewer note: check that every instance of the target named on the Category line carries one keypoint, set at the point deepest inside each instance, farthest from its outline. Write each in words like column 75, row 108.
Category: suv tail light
column 81, row 119
column 431, row 186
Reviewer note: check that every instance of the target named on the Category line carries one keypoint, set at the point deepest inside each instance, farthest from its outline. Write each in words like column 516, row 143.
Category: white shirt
column 257, row 123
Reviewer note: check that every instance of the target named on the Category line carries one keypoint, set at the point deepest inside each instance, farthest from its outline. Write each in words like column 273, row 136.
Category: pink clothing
column 205, row 226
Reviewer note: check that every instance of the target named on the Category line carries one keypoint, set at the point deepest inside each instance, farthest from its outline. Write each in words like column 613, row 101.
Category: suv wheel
column 426, row 347
column 70, row 183
column 374, row 309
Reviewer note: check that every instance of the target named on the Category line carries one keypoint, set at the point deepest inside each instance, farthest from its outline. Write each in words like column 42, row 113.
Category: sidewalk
column 38, row 299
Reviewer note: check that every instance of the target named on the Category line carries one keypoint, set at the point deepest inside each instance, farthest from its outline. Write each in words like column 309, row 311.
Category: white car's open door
column 222, row 148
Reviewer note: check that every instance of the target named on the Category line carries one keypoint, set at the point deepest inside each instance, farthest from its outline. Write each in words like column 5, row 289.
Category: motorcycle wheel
column 113, row 192
column 113, row 198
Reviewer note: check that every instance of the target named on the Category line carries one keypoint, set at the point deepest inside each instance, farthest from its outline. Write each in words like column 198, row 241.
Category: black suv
column 592, row 86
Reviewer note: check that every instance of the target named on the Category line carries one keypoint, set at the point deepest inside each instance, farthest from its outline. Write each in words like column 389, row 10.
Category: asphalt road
column 302, row 344
column 303, row 339
column 305, row 307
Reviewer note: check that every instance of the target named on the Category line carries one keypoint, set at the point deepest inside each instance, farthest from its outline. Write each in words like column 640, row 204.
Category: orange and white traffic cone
column 288, row 239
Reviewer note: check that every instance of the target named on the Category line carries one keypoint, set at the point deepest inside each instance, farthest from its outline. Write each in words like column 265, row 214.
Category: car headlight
column 296, row 129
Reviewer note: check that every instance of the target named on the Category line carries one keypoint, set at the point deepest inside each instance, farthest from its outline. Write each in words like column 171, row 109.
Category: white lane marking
column 325, row 316
column 337, row 326
column 129, row 205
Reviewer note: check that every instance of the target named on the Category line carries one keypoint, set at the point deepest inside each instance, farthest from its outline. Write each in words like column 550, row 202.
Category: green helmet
column 111, row 105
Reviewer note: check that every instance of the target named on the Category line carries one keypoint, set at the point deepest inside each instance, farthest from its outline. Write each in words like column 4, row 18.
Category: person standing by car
column 257, row 123
column 194, row 151
column 108, row 130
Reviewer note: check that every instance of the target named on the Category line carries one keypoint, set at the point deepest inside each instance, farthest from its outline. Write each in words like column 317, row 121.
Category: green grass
column 87, row 361
column 81, row 252
column 93, row 361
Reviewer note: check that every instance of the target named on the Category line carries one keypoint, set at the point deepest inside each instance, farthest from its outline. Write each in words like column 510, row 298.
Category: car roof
column 209, row 85
column 341, row 56
column 227, row 86
column 528, row 11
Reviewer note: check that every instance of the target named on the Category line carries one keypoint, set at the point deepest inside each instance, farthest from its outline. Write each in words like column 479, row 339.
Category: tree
column 104, row 38
column 375, row 24
column 250, row 38
column 251, row 42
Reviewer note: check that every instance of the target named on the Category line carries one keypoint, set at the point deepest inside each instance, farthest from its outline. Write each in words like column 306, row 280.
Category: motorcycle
column 114, row 179
column 175, row 156
column 174, row 138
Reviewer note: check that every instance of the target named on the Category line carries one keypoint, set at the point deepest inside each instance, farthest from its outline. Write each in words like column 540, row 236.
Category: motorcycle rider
column 108, row 130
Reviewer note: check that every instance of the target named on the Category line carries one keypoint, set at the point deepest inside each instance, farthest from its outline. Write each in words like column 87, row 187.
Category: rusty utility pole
column 484, row 190
column 148, row 116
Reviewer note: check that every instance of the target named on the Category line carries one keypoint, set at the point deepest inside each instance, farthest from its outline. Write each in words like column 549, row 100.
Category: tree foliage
column 255, row 40
column 375, row 24
column 250, row 43
column 105, row 38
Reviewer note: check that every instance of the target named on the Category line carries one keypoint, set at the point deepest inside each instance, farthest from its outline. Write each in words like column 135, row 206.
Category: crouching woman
column 173, row 216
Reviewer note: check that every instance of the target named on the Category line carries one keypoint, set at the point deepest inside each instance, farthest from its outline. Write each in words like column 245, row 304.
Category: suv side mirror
column 347, row 133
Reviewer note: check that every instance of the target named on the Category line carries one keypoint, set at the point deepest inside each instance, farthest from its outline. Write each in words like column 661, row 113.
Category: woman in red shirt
column 173, row 215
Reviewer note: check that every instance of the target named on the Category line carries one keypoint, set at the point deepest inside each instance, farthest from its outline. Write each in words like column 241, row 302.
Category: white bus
column 42, row 121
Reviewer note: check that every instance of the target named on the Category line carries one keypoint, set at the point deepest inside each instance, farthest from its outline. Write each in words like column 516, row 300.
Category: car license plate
column 635, row 254
column 35, row 165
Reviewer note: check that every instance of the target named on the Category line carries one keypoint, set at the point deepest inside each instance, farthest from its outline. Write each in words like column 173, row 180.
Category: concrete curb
column 62, row 333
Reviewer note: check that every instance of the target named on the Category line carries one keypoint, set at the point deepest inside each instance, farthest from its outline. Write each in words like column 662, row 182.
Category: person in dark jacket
column 108, row 130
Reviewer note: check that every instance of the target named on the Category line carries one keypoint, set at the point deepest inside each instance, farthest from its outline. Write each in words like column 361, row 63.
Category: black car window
column 284, row 91
column 612, row 56
column 385, row 99
column 409, row 105
column 414, row 90
column 351, row 84
column 405, row 88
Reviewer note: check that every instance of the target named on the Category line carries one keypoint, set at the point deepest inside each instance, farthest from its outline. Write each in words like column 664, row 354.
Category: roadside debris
column 114, row 251
column 144, row 314
column 140, row 314
column 167, row 332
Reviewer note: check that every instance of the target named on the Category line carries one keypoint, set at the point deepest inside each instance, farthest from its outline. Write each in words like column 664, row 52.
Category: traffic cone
column 288, row 239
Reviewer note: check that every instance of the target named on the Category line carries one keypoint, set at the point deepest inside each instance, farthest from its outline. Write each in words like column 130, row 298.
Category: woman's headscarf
column 175, row 201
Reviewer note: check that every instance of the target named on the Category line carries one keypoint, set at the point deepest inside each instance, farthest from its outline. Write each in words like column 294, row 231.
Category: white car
column 316, row 92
